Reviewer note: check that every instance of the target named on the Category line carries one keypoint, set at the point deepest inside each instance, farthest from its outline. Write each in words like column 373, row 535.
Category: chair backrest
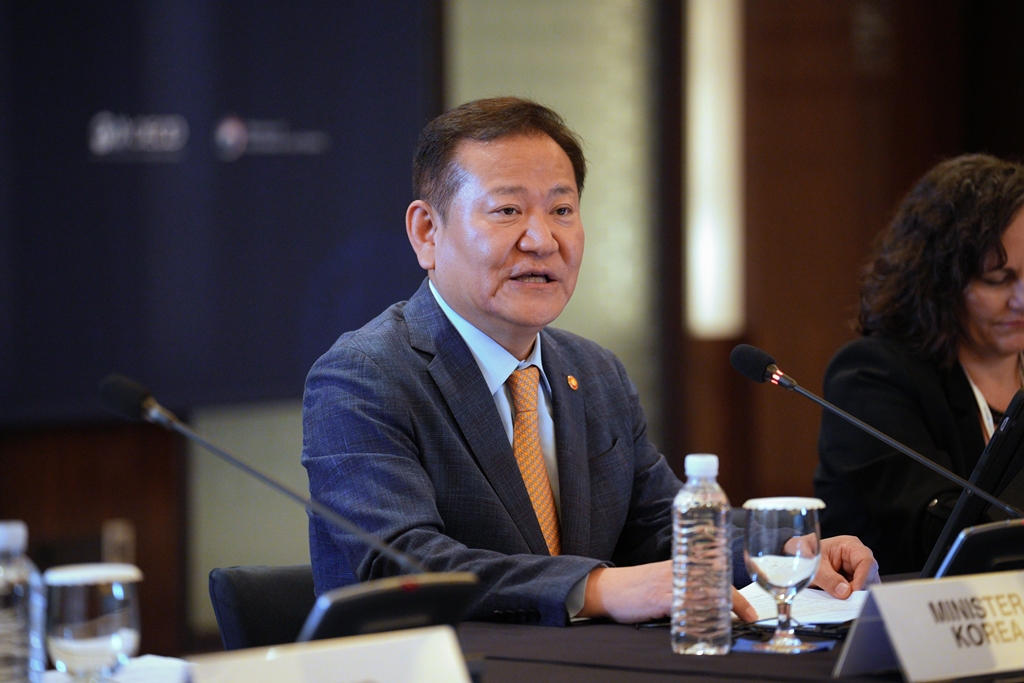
column 259, row 606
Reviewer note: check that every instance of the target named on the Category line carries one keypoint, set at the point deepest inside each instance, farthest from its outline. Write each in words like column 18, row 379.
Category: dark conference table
column 599, row 652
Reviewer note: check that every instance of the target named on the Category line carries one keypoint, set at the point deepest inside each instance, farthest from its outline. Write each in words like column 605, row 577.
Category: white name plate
column 424, row 655
column 937, row 629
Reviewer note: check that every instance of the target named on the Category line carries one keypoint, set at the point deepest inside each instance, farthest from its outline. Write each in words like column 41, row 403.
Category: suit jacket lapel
column 571, row 442
column 457, row 376
column 971, row 440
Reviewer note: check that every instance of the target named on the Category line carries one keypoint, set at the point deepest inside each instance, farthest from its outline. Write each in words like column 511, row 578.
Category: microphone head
column 123, row 396
column 751, row 362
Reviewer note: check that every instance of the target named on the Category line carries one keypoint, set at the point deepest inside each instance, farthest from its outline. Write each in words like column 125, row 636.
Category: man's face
column 507, row 255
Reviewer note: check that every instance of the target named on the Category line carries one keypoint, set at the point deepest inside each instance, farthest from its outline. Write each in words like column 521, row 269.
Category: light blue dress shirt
column 497, row 365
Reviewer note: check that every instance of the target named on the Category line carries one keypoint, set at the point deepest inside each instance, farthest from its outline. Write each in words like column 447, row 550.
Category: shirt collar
column 496, row 364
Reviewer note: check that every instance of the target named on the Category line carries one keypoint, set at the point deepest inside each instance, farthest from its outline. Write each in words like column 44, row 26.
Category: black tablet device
column 993, row 547
column 391, row 604
column 998, row 471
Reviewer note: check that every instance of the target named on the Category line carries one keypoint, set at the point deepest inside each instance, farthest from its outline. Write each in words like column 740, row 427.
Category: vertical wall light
column 714, row 169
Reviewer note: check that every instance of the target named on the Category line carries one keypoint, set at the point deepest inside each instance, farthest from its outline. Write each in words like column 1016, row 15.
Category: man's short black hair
column 435, row 175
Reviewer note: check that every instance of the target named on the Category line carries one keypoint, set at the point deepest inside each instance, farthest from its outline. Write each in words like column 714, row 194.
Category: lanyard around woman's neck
column 983, row 407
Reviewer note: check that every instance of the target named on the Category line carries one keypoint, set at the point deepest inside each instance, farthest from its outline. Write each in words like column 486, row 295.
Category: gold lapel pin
column 573, row 384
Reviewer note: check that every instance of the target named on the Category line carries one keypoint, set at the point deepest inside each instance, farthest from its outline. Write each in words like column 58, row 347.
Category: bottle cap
column 701, row 465
column 13, row 536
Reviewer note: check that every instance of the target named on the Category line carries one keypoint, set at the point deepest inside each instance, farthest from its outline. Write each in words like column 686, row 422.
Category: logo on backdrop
column 161, row 138
column 118, row 137
column 235, row 137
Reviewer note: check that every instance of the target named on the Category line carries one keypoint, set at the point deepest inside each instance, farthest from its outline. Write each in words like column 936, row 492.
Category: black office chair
column 260, row 606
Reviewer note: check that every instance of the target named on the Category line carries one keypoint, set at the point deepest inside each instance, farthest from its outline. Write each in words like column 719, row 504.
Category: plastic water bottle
column 701, row 562
column 22, row 608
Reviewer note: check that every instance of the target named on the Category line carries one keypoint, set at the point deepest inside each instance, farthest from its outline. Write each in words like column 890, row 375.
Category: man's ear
column 421, row 224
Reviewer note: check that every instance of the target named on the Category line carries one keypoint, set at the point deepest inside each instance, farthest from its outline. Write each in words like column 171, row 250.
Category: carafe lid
column 92, row 574
column 784, row 503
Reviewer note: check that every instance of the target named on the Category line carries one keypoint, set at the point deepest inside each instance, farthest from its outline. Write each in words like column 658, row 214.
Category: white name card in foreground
column 940, row 628
column 424, row 655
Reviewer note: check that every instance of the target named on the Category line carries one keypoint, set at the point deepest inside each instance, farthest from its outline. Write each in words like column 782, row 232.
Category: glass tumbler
column 92, row 619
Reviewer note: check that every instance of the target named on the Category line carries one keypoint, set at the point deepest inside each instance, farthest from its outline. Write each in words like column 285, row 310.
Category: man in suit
column 461, row 429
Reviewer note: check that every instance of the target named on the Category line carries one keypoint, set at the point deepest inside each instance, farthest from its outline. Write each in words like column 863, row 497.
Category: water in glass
column 782, row 551
column 92, row 618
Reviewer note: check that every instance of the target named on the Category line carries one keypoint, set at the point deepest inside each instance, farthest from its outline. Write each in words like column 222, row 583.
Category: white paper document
column 144, row 669
column 811, row 606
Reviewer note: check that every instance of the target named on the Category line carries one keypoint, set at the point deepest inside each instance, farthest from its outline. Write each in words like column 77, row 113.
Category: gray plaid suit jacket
column 402, row 437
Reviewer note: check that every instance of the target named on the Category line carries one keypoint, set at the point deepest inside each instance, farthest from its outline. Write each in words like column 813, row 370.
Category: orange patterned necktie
column 526, row 447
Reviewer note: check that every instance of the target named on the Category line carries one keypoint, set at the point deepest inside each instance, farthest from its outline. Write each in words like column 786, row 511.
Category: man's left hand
column 847, row 565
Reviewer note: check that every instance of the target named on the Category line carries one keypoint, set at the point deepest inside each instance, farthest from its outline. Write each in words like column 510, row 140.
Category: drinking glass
column 92, row 624
column 782, row 551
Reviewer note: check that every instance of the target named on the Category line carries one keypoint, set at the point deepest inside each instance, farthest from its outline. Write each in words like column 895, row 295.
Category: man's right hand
column 633, row 594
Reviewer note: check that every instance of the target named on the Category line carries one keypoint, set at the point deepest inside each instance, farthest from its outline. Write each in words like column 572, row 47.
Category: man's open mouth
column 532, row 277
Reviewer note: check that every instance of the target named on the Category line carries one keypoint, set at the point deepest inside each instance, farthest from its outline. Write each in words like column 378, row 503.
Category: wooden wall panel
column 65, row 482
column 668, row 188
column 808, row 133
column 846, row 104
column 995, row 71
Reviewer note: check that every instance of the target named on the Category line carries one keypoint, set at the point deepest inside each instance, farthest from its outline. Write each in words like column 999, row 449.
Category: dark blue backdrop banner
column 202, row 195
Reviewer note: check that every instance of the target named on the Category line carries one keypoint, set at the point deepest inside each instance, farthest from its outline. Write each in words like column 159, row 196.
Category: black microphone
column 382, row 605
column 131, row 400
column 754, row 363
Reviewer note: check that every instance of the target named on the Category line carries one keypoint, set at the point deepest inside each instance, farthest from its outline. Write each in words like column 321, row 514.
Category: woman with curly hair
column 942, row 319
